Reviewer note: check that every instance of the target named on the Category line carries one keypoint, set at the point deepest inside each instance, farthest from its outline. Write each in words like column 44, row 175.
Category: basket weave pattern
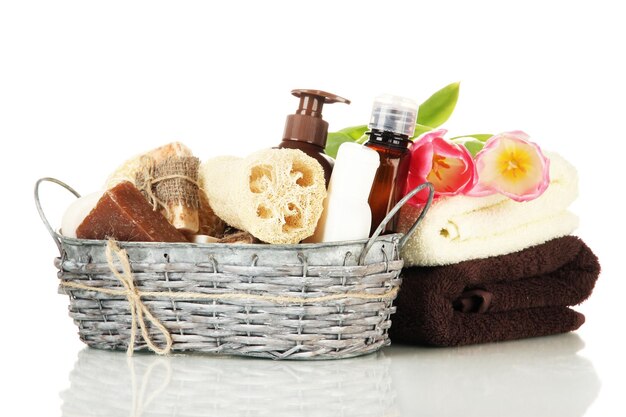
column 347, row 325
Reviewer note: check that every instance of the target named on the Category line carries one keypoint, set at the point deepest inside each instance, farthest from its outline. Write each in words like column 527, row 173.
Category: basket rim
column 395, row 238
column 392, row 237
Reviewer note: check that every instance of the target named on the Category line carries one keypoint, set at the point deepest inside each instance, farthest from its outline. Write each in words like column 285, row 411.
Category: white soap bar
column 77, row 211
column 347, row 215
column 203, row 239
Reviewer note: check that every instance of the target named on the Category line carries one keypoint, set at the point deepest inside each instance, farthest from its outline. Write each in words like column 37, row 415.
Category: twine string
column 137, row 308
column 139, row 311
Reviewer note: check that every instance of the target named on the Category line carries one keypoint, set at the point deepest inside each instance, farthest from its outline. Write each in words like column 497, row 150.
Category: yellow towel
column 461, row 228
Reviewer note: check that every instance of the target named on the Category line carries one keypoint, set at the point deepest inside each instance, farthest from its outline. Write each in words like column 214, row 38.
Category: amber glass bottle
column 392, row 124
column 388, row 187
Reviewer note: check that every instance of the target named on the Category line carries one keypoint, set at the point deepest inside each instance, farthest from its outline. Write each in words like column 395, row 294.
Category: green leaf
column 420, row 130
column 472, row 144
column 355, row 132
column 438, row 108
column 358, row 132
column 483, row 137
column 334, row 140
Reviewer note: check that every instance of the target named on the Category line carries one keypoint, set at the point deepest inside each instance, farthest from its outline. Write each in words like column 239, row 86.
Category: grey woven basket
column 305, row 301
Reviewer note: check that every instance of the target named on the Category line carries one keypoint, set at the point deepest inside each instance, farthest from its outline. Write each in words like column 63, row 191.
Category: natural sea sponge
column 129, row 169
column 274, row 194
column 169, row 173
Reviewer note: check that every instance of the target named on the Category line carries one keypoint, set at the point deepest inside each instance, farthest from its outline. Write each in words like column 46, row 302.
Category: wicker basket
column 305, row 301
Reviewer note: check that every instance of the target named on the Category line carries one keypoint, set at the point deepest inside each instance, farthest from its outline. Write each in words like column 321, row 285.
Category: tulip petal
column 430, row 136
column 421, row 160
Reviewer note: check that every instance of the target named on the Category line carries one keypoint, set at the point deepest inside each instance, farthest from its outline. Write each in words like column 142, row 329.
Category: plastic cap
column 394, row 114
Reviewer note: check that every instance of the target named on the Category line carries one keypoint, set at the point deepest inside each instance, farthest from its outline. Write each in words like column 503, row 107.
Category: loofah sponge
column 274, row 194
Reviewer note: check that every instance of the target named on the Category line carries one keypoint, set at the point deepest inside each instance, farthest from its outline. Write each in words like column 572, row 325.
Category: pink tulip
column 510, row 164
column 448, row 166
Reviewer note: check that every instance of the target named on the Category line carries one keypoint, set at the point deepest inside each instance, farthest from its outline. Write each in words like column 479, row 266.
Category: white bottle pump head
column 394, row 114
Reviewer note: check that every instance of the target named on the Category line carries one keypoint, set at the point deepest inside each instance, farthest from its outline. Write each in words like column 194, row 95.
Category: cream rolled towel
column 461, row 228
column 275, row 194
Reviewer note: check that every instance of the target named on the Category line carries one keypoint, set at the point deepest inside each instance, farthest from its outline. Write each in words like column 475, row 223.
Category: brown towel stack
column 514, row 296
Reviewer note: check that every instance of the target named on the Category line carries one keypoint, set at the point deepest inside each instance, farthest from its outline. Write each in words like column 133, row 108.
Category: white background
column 84, row 85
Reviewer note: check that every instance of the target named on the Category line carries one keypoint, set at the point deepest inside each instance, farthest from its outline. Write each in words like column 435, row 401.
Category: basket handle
column 46, row 223
column 394, row 210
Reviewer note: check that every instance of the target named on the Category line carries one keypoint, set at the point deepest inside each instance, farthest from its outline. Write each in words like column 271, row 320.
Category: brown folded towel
column 523, row 294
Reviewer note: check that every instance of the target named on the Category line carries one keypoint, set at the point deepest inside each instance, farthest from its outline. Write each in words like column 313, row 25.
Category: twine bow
column 137, row 308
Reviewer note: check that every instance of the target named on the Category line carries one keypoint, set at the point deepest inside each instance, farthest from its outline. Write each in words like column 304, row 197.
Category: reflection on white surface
column 537, row 377
column 533, row 377
column 111, row 384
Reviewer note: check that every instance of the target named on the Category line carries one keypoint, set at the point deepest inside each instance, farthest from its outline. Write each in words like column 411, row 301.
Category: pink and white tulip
column 448, row 166
column 512, row 165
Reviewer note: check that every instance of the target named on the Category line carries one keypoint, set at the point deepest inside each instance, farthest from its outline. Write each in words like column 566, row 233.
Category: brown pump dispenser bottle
column 307, row 131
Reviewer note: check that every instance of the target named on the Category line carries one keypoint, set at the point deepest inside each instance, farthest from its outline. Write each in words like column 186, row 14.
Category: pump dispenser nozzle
column 306, row 130
column 306, row 124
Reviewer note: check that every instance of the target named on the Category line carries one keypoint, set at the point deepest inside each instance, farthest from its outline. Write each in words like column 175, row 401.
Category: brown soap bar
column 124, row 214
